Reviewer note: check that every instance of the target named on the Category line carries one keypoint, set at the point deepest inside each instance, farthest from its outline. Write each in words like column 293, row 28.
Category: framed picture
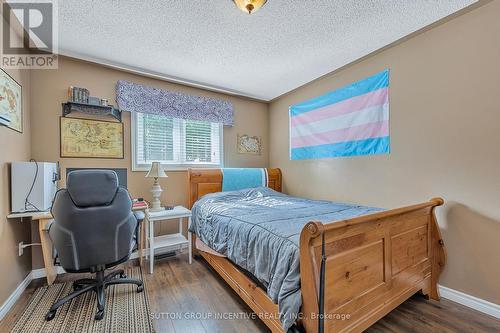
column 249, row 144
column 91, row 138
column 11, row 102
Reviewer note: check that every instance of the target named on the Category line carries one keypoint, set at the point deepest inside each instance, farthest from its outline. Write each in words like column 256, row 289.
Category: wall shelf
column 100, row 110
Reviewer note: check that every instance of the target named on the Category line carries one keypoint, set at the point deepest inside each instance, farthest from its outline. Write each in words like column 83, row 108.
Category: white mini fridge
column 33, row 186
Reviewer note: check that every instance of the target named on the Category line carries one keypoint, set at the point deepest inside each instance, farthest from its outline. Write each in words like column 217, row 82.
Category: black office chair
column 93, row 230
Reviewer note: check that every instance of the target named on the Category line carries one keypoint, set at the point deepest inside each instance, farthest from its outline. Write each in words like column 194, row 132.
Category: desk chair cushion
column 92, row 187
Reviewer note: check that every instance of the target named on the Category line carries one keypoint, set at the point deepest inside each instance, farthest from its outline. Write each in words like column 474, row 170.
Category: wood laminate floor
column 188, row 298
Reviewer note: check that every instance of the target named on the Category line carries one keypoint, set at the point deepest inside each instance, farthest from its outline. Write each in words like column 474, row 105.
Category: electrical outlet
column 21, row 248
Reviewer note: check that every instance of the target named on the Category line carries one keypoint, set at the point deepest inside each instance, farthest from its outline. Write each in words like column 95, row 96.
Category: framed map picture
column 249, row 144
column 11, row 100
column 91, row 138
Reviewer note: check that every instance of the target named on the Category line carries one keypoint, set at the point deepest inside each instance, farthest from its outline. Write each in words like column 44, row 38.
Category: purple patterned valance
column 134, row 97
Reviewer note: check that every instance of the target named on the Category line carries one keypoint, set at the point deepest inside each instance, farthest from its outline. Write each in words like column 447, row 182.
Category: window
column 174, row 142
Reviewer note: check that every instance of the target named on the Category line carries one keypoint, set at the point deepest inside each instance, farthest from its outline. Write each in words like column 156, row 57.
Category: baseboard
column 9, row 303
column 469, row 301
column 135, row 254
column 40, row 272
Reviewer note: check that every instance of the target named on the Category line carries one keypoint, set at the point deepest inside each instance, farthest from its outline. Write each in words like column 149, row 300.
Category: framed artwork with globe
column 11, row 100
column 249, row 144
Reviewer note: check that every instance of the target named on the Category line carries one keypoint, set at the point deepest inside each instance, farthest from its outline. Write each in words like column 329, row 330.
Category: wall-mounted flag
column 352, row 120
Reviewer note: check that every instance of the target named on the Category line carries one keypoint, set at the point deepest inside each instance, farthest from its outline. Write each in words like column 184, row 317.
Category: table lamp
column 156, row 172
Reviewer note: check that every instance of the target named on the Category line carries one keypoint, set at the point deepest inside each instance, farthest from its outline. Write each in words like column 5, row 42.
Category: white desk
column 170, row 241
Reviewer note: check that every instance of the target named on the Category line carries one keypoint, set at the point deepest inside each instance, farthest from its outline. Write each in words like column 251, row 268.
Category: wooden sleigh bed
column 373, row 262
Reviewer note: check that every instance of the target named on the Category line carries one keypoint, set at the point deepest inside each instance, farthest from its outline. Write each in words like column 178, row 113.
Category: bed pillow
column 234, row 179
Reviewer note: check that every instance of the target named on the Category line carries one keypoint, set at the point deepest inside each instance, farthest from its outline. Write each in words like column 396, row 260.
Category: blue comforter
column 258, row 229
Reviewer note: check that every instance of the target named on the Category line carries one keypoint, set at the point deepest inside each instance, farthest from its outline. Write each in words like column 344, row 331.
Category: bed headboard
column 204, row 181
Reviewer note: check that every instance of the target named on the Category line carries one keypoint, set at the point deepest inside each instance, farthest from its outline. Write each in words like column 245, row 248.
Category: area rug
column 126, row 310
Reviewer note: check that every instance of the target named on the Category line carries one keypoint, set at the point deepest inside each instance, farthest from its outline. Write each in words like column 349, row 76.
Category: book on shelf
column 78, row 95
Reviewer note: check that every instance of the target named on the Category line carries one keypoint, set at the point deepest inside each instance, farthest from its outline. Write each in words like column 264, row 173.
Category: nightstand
column 175, row 241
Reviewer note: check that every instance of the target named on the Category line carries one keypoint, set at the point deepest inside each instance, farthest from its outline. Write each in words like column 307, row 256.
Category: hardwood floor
column 186, row 298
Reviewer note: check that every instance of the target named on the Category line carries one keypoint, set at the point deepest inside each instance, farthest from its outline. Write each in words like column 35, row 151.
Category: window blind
column 174, row 141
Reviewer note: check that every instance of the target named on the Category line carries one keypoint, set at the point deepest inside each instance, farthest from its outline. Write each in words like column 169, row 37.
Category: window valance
column 134, row 97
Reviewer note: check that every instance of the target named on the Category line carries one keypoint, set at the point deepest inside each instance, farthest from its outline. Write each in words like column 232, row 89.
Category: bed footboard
column 373, row 264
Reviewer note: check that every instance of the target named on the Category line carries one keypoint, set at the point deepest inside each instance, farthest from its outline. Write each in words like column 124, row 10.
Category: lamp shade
column 156, row 171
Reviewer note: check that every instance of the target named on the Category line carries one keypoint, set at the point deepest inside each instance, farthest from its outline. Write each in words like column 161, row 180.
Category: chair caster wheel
column 123, row 276
column 140, row 288
column 50, row 315
column 99, row 315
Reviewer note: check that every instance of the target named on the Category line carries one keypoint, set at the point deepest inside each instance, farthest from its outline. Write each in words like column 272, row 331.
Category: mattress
column 258, row 230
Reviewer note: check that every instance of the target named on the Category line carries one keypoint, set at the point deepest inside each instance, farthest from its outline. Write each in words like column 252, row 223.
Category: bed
column 375, row 259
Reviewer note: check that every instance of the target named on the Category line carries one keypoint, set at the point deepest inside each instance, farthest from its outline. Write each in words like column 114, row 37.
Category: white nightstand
column 170, row 241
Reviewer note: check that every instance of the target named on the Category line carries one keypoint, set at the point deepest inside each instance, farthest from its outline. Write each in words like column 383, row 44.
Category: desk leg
column 190, row 243
column 142, row 240
column 151, row 246
column 180, row 230
column 50, row 269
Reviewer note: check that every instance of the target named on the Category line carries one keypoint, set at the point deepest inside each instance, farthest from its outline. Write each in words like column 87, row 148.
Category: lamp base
column 158, row 209
column 156, row 192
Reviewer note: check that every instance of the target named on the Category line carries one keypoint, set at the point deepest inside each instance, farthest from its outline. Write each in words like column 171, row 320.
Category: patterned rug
column 126, row 310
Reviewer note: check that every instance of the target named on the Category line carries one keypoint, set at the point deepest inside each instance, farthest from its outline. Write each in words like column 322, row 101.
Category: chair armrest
column 139, row 216
column 49, row 224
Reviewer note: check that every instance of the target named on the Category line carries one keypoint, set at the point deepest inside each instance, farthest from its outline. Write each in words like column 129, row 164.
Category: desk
column 44, row 220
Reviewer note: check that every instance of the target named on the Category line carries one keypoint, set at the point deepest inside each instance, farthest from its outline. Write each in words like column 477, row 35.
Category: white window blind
column 175, row 142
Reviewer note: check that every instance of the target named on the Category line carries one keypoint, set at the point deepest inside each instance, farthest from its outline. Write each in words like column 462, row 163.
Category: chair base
column 99, row 285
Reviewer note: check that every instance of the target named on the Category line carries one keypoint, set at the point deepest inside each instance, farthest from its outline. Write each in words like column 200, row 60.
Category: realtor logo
column 29, row 34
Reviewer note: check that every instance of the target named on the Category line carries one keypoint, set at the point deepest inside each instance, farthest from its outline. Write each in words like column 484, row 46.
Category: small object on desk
column 139, row 204
column 169, row 207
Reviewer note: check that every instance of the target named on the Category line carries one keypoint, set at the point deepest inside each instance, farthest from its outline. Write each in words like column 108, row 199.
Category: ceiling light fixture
column 249, row 6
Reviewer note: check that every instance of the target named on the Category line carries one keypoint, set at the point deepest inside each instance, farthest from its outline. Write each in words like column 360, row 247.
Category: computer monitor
column 121, row 172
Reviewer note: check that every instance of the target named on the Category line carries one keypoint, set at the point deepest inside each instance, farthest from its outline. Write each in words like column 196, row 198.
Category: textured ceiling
column 281, row 47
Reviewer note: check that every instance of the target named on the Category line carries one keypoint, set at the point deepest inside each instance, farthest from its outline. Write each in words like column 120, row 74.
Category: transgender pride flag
column 353, row 120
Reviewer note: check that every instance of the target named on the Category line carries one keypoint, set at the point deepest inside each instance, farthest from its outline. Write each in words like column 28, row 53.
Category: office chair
column 93, row 230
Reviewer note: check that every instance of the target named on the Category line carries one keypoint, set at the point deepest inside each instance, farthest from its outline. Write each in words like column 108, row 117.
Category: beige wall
column 251, row 117
column 445, row 133
column 14, row 146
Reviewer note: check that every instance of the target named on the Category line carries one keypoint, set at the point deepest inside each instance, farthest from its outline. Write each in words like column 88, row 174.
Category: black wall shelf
column 99, row 110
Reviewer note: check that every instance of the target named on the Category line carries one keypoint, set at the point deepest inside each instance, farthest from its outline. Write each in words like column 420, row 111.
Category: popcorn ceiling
column 281, row 47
